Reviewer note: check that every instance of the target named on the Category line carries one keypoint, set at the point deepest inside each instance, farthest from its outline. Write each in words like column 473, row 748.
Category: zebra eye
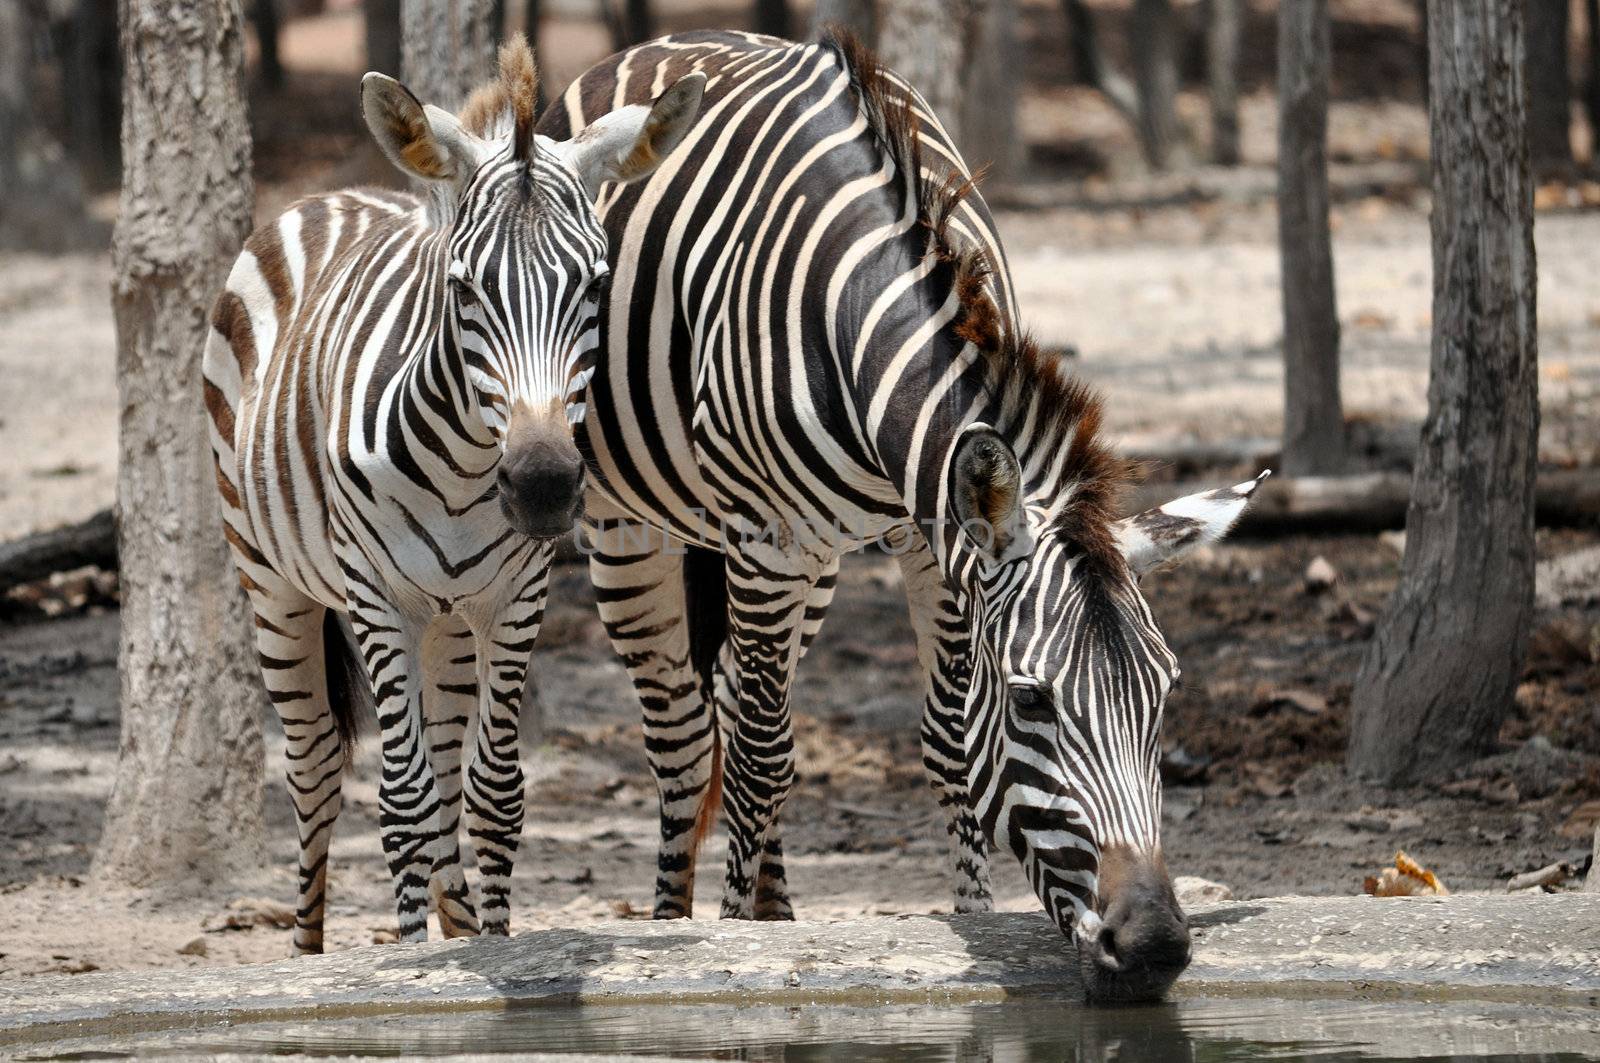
column 600, row 286
column 1032, row 703
column 461, row 284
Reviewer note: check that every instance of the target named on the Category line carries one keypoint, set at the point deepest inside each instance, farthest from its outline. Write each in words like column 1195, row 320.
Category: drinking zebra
column 811, row 343
column 392, row 383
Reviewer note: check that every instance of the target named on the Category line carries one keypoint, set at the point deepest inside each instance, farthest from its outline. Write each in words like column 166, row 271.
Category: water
column 1201, row 1030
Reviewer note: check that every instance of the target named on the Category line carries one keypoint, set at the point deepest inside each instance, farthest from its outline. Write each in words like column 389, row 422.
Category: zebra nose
column 540, row 485
column 1141, row 944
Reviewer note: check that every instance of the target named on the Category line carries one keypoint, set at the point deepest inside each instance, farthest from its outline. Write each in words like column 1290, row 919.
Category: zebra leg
column 942, row 649
column 288, row 628
column 766, row 613
column 772, row 885
column 640, row 591
column 449, row 702
column 408, row 796
column 495, row 782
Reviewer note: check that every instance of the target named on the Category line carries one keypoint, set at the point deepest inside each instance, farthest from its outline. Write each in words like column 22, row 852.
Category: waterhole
column 1038, row 1029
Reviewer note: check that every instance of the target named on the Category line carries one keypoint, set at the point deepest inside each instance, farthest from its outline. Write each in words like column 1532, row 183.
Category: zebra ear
column 630, row 142
column 986, row 495
column 423, row 141
column 1157, row 536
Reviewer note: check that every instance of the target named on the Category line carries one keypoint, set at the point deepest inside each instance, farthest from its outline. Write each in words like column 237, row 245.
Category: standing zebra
column 811, row 343
column 392, row 383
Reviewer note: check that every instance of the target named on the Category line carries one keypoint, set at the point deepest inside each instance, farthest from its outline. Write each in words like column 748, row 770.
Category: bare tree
column 1549, row 85
column 772, row 17
column 1224, row 25
column 860, row 17
column 1313, row 416
column 1155, row 77
column 383, row 35
column 989, row 102
column 186, row 804
column 447, row 48
column 41, row 198
column 1442, row 667
column 86, row 42
column 930, row 44
column 264, row 14
column 1089, row 63
column 1591, row 106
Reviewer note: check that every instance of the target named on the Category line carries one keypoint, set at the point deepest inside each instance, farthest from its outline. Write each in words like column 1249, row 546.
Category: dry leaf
column 1406, row 878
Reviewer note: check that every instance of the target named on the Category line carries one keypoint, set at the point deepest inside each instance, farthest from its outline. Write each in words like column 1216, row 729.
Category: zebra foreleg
column 766, row 613
column 496, row 786
column 449, row 703
column 942, row 648
column 289, row 643
column 640, row 591
column 408, row 797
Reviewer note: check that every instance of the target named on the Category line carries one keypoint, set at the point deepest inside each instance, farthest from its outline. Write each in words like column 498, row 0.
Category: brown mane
column 1019, row 374
column 512, row 96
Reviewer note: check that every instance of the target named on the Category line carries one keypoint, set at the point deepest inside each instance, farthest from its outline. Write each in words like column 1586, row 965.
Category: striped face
column 1071, row 675
column 526, row 270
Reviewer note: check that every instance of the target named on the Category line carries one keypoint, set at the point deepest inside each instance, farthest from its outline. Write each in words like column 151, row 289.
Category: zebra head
column 1069, row 677
column 522, row 265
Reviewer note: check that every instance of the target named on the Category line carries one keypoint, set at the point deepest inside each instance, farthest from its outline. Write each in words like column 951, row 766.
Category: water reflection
column 1023, row 1031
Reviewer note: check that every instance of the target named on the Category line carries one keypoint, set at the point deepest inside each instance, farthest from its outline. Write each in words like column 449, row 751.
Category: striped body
column 811, row 343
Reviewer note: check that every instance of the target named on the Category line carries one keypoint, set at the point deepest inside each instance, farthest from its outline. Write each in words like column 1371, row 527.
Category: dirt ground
column 1167, row 289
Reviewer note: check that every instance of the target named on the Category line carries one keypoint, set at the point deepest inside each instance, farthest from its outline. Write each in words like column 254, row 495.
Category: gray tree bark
column 772, row 17
column 989, row 102
column 1440, row 672
column 186, row 804
column 1549, row 85
column 1155, row 77
column 383, row 35
column 1224, row 25
column 447, row 48
column 41, row 197
column 860, row 17
column 1313, row 415
column 928, row 42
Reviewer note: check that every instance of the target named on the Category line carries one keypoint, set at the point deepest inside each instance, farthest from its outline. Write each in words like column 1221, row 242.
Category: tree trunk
column 1591, row 84
column 1155, row 75
column 989, row 102
column 1089, row 64
column 638, row 22
column 41, row 198
column 1440, row 672
column 91, row 79
column 1224, row 24
column 1549, row 86
column 383, row 35
column 186, row 805
column 447, row 48
column 930, row 44
column 772, row 17
column 265, row 16
column 857, row 16
column 1313, row 416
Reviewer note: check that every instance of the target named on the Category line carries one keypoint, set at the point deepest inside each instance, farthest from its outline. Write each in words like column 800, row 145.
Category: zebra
column 810, row 343
column 392, row 382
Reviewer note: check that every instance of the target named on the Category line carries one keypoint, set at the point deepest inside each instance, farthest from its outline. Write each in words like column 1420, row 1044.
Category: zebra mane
column 1040, row 403
column 507, row 104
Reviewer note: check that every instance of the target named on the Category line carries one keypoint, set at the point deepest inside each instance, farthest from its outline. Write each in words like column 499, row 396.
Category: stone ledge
column 1532, row 948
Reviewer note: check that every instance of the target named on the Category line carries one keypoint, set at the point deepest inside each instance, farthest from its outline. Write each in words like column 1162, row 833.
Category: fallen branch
column 1371, row 502
column 1545, row 877
column 42, row 554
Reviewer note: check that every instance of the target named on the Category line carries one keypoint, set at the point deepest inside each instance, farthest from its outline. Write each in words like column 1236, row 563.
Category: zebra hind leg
column 290, row 646
column 767, row 604
column 643, row 605
column 449, row 704
column 496, row 785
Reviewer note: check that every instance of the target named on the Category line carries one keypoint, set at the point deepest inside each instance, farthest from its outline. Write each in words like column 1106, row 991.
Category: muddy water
column 1197, row 1029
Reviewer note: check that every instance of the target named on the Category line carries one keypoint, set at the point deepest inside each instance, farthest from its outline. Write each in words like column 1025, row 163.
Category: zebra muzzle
column 1136, row 942
column 540, row 481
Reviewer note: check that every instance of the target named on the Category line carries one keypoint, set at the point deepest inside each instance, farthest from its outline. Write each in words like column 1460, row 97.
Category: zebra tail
column 705, row 591
column 349, row 689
